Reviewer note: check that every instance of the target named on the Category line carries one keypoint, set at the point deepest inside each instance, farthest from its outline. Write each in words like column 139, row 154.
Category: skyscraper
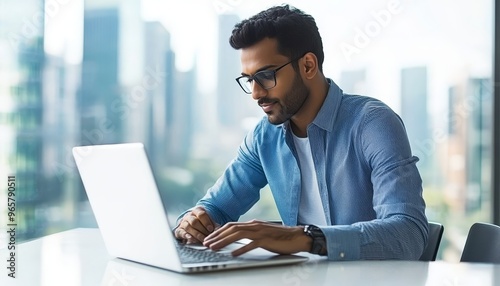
column 230, row 104
column 415, row 115
column 112, row 94
column 100, row 102
column 60, row 134
column 159, row 60
column 469, row 145
column 478, row 103
column 455, row 171
column 180, row 131
column 21, row 111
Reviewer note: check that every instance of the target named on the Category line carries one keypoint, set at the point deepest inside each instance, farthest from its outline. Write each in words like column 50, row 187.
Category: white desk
column 78, row 257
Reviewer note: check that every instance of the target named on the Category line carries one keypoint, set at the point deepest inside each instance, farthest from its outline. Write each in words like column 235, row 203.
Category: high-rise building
column 230, row 107
column 112, row 94
column 415, row 116
column 478, row 103
column 60, row 134
column 180, row 131
column 131, row 91
column 469, row 146
column 21, row 111
column 100, row 103
column 454, row 166
column 160, row 68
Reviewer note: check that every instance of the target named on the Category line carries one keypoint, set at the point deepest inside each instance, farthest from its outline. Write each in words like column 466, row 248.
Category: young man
column 339, row 166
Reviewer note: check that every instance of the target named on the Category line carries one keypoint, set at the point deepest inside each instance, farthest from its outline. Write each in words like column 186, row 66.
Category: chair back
column 431, row 249
column 482, row 244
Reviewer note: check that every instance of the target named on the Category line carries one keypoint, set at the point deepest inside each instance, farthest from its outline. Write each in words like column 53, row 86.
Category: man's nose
column 258, row 91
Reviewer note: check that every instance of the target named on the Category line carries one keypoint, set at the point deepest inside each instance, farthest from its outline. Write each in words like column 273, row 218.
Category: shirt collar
column 326, row 116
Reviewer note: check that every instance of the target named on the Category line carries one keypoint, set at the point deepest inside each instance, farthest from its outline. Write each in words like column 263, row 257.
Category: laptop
column 133, row 221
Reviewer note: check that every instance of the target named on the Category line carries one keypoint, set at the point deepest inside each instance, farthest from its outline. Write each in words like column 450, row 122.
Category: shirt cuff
column 342, row 242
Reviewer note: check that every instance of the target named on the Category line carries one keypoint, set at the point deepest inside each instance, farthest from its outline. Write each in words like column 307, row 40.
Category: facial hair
column 291, row 104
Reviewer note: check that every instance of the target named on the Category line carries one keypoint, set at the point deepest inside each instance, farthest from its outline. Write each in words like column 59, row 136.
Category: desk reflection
column 79, row 257
column 316, row 272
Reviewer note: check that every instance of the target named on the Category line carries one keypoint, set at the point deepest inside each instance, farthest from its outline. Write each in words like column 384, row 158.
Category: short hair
column 295, row 32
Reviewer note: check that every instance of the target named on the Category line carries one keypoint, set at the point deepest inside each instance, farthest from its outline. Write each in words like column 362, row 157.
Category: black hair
column 295, row 32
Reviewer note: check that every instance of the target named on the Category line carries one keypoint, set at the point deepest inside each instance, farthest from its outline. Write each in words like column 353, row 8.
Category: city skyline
column 128, row 86
column 401, row 30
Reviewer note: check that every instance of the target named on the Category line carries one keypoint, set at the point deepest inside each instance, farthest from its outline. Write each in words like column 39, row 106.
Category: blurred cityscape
column 127, row 89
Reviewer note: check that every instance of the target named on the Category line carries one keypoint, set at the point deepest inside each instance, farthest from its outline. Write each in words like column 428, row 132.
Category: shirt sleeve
column 400, row 230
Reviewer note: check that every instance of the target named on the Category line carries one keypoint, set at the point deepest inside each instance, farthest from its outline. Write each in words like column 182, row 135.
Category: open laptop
column 132, row 218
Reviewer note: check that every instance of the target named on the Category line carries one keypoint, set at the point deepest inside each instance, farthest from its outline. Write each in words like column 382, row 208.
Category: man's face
column 283, row 101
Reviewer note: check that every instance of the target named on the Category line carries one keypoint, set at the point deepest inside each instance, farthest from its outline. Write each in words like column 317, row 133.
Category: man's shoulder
column 357, row 105
column 356, row 110
column 349, row 100
column 360, row 100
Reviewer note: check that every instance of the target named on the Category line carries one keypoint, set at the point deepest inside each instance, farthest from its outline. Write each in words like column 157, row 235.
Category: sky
column 192, row 23
column 381, row 36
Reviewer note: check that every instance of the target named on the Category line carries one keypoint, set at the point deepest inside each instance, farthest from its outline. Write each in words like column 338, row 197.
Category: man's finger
column 242, row 250
column 181, row 234
column 195, row 223
column 191, row 233
column 226, row 237
column 233, row 227
column 203, row 218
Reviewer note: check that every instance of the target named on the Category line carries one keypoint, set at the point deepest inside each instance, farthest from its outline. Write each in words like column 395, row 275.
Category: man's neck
column 301, row 120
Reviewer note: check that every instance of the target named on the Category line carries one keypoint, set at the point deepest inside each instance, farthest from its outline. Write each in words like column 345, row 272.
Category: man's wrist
column 318, row 240
column 305, row 240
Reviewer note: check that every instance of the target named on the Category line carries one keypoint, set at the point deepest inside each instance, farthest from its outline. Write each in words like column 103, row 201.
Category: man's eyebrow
column 260, row 69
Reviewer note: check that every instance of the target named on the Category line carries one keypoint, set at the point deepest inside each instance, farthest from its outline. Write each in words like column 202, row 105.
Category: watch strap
column 318, row 245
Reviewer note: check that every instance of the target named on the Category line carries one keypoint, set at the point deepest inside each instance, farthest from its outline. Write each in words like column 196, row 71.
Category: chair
column 431, row 249
column 482, row 244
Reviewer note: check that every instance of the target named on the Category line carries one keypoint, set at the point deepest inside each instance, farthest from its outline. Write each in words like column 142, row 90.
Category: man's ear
column 309, row 65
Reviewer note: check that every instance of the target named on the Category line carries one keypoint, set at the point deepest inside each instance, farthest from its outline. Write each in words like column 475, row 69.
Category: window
column 144, row 71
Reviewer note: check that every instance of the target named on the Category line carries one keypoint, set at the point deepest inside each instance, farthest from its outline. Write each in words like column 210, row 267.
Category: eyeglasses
column 266, row 79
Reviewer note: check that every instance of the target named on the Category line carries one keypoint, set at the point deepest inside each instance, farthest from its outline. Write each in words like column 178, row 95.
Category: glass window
column 162, row 73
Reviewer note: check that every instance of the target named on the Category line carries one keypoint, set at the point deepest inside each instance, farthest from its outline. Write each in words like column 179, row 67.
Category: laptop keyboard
column 195, row 254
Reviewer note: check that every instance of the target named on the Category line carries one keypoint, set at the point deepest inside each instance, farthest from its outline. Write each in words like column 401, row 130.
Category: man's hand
column 270, row 236
column 194, row 226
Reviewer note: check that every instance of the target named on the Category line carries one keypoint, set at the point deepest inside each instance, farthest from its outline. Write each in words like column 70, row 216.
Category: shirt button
column 341, row 255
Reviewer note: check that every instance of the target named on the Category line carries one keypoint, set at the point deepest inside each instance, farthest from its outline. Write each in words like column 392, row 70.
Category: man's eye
column 266, row 76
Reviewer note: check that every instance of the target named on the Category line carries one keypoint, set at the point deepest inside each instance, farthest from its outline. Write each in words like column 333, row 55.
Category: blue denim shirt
column 368, row 181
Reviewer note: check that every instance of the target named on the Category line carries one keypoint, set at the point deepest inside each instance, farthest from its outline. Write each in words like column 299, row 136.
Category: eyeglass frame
column 252, row 77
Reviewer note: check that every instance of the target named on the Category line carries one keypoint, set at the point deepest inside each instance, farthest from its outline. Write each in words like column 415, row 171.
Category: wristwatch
column 318, row 239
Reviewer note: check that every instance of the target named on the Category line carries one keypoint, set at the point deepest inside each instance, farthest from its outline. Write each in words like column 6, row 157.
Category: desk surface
column 79, row 257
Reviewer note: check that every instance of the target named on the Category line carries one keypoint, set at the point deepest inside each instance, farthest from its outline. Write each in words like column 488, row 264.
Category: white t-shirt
column 310, row 208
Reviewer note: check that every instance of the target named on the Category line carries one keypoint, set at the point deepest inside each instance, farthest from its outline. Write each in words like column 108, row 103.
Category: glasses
column 266, row 79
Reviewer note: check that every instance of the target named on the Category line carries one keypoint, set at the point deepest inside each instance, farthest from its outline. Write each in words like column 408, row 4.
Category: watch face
column 315, row 231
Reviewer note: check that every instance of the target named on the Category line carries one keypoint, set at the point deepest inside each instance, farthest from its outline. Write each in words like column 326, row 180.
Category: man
column 339, row 166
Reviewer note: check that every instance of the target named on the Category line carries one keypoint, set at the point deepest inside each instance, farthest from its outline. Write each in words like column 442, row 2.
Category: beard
column 291, row 104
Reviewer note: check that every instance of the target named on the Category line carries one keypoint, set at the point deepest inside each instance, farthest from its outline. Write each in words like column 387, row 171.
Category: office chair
column 482, row 244
column 431, row 249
